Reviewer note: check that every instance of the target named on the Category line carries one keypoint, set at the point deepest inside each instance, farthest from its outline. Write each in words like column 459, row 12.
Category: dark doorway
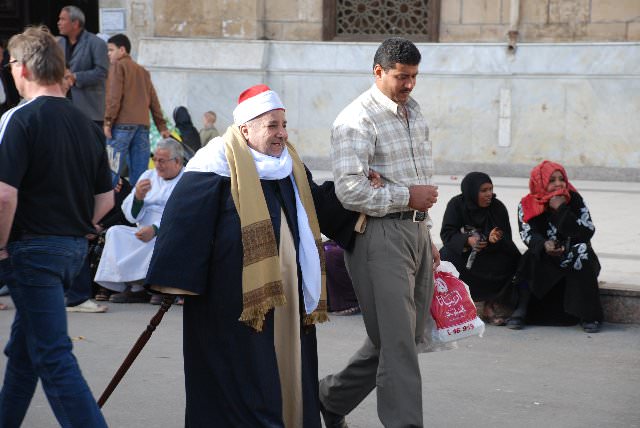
column 16, row 14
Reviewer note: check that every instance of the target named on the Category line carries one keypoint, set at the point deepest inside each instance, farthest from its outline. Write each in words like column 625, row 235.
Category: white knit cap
column 253, row 102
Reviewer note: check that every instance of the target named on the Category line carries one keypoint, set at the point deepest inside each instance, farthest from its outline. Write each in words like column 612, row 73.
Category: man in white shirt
column 127, row 251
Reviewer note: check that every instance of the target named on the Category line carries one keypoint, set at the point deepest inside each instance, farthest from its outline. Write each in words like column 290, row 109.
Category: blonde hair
column 36, row 48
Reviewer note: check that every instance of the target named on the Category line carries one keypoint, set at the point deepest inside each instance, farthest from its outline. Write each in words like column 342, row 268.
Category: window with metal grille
column 378, row 19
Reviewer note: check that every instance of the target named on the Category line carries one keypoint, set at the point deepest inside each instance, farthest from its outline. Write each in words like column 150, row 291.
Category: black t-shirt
column 55, row 156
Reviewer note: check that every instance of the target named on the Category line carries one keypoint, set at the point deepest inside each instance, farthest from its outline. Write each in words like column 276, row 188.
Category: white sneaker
column 88, row 306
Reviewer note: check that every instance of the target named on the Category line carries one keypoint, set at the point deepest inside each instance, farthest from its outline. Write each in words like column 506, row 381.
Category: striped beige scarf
column 262, row 287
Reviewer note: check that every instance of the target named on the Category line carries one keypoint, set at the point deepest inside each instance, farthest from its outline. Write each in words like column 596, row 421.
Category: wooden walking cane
column 167, row 301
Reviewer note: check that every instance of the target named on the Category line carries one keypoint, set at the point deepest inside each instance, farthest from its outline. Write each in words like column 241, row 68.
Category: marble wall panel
column 537, row 127
column 317, row 100
column 574, row 103
column 217, row 91
column 600, row 115
column 484, row 105
column 172, row 89
column 313, row 57
column 448, row 115
column 202, row 54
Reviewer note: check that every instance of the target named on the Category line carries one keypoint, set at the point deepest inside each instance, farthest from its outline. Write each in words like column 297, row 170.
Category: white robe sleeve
column 127, row 204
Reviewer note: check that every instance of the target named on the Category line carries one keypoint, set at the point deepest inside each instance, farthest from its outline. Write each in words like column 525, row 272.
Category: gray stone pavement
column 540, row 376
column 550, row 376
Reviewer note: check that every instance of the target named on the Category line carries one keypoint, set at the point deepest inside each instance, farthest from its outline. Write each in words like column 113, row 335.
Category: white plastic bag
column 453, row 313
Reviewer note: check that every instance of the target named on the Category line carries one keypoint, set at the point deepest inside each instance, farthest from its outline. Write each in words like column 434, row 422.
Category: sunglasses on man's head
column 8, row 65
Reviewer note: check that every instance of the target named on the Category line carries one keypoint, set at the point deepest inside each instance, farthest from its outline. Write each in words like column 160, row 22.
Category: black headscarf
column 494, row 266
column 188, row 133
column 478, row 217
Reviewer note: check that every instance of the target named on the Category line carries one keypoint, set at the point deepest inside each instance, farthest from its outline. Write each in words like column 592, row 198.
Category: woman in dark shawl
column 560, row 265
column 477, row 239
column 189, row 135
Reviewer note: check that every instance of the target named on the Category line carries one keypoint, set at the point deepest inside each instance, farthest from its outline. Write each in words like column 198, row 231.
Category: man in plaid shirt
column 392, row 260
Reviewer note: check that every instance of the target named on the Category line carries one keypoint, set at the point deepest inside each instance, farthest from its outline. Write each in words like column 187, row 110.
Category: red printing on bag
column 452, row 307
column 460, row 329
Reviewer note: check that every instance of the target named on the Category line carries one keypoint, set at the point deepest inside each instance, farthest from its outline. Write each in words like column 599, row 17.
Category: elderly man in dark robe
column 241, row 240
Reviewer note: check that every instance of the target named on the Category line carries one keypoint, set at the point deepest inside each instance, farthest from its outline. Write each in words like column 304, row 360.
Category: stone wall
column 487, row 108
column 541, row 20
column 240, row 19
column 460, row 20
column 140, row 19
column 293, row 20
column 573, row 103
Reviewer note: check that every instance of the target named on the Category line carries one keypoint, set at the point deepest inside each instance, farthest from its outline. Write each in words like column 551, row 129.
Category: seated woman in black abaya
column 477, row 239
column 560, row 265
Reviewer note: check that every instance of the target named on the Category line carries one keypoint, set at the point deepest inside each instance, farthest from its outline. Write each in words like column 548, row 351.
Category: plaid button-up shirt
column 372, row 133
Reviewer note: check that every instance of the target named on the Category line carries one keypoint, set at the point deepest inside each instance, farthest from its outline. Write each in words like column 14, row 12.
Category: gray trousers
column 391, row 267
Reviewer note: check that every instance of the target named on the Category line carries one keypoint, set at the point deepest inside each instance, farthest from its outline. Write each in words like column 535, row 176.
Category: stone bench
column 621, row 304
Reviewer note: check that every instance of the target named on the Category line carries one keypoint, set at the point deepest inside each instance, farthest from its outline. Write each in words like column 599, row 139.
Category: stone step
column 620, row 303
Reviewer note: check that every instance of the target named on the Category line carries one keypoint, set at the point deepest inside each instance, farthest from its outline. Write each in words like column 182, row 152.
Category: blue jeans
column 129, row 144
column 81, row 287
column 39, row 269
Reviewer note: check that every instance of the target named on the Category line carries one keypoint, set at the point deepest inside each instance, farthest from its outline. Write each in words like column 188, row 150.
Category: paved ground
column 550, row 376
column 540, row 376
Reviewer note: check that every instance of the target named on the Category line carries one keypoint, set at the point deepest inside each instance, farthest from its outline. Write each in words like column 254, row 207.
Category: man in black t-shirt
column 55, row 184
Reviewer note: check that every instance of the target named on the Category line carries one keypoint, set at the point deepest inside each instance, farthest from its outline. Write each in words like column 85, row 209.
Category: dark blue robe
column 231, row 372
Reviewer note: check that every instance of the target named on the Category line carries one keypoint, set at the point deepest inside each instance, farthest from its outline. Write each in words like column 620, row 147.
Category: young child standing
column 209, row 131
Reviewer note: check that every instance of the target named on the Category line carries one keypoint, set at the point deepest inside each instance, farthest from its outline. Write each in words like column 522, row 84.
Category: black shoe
column 515, row 323
column 591, row 326
column 332, row 420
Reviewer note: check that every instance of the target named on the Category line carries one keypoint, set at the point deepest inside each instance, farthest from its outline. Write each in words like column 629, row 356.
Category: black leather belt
column 408, row 215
